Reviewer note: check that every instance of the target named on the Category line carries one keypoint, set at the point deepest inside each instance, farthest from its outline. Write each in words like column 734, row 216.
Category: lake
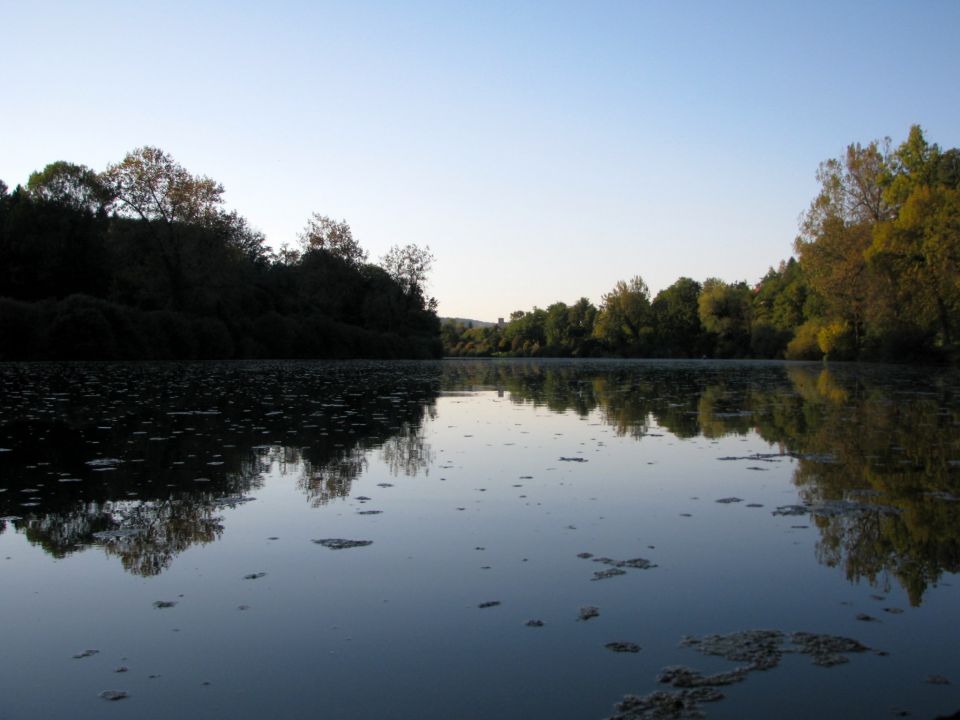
column 479, row 539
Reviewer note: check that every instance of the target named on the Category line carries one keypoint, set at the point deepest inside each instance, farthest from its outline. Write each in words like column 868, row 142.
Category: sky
column 542, row 150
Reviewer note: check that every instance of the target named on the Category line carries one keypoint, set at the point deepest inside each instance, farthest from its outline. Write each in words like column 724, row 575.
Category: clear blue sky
column 543, row 150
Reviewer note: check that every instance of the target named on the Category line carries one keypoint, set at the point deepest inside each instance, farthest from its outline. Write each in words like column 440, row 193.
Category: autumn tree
column 151, row 186
column 837, row 230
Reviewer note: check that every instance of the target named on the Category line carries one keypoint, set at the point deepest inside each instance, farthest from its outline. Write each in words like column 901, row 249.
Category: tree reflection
column 143, row 460
column 878, row 450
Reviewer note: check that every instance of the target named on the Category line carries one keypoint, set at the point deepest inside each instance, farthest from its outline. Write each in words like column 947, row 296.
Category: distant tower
column 499, row 323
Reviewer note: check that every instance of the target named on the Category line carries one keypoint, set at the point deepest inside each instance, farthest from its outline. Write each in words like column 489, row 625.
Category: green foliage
column 75, row 186
column 625, row 319
column 676, row 319
column 726, row 311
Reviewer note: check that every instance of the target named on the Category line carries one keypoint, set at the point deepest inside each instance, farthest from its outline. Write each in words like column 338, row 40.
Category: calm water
column 165, row 516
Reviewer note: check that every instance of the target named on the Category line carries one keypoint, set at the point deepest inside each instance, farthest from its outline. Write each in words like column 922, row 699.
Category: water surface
column 166, row 517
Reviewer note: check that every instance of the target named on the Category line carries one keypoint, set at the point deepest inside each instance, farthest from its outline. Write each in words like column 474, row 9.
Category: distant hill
column 466, row 321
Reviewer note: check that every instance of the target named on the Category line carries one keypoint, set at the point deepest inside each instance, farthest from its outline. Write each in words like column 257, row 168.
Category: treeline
column 142, row 261
column 877, row 276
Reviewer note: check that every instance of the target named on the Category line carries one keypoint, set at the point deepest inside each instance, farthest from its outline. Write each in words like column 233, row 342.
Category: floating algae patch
column 661, row 705
column 635, row 563
column 608, row 573
column 616, row 566
column 623, row 647
column 826, row 650
column 341, row 544
column 114, row 695
column 763, row 649
column 758, row 650
column 681, row 676
column 587, row 612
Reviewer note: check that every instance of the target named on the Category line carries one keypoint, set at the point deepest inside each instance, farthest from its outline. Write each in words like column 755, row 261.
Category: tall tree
column 837, row 229
column 410, row 266
column 150, row 186
column 75, row 186
column 333, row 236
column 625, row 320
column 677, row 319
column 919, row 249
column 725, row 310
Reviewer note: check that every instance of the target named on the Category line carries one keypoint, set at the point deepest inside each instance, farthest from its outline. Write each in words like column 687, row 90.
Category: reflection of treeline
column 141, row 261
column 880, row 452
column 156, row 453
column 876, row 276
column 688, row 399
column 896, row 451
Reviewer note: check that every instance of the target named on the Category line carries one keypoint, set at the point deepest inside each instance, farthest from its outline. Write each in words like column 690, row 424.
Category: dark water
column 165, row 517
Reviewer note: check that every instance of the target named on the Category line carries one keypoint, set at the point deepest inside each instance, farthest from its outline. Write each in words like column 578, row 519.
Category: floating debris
column 584, row 555
column 791, row 510
column 119, row 533
column 534, row 623
column 85, row 654
column 254, row 576
column 660, row 705
column 623, row 647
column 114, row 695
column 122, row 669
column 104, row 462
column 635, row 563
column 863, row 617
column 609, row 573
column 761, row 649
column 369, row 512
column 838, row 508
column 341, row 544
column 573, row 459
column 728, row 500
column 758, row 457
column 384, row 484
column 588, row 612
column 937, row 680
column 681, row 676
column 160, row 604
column 826, row 649
column 489, row 604
column 230, row 501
